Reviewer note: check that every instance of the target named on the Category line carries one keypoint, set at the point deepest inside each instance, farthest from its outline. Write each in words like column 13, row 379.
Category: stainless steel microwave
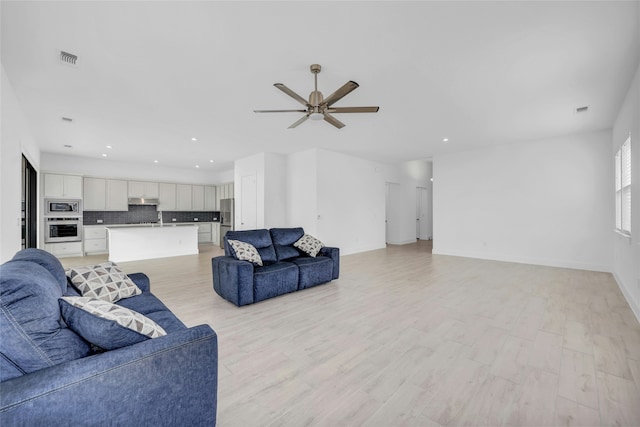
column 58, row 207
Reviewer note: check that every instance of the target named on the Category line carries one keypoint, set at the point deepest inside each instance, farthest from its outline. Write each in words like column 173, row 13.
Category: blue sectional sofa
column 49, row 375
column 286, row 269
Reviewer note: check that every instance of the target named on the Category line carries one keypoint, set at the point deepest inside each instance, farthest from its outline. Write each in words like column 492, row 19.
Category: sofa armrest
column 233, row 279
column 141, row 280
column 334, row 254
column 171, row 380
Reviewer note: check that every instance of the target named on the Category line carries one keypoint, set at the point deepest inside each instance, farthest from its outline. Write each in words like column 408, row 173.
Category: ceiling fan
column 319, row 108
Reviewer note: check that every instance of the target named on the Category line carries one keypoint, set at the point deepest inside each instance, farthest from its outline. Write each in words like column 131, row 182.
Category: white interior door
column 248, row 203
column 423, row 214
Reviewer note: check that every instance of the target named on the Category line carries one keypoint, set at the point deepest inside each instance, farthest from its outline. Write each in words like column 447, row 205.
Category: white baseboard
column 523, row 260
column 632, row 303
column 402, row 242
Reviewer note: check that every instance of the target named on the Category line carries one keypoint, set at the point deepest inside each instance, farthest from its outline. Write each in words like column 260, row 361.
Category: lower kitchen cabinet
column 204, row 232
column 95, row 240
column 64, row 249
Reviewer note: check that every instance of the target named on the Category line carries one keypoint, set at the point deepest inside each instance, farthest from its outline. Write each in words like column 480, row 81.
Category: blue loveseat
column 50, row 376
column 286, row 269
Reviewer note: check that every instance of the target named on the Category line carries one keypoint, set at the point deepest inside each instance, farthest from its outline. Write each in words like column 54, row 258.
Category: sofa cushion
column 104, row 281
column 48, row 261
column 274, row 279
column 107, row 325
column 309, row 245
column 260, row 239
column 33, row 334
column 148, row 305
column 244, row 251
column 283, row 240
column 313, row 271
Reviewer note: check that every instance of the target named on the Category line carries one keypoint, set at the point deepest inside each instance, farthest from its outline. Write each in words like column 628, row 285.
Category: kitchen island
column 128, row 243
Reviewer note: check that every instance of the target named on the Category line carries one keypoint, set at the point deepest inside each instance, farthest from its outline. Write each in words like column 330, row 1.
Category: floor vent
column 68, row 58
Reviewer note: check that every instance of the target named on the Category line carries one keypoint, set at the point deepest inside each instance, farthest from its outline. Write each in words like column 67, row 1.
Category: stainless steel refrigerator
column 226, row 218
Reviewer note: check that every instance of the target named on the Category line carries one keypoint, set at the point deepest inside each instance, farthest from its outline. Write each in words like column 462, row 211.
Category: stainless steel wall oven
column 62, row 229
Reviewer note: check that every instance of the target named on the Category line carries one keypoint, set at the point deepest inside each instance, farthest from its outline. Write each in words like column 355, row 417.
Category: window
column 623, row 188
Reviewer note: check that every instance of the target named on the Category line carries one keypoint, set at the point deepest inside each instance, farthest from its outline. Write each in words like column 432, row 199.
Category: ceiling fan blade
column 279, row 111
column 340, row 93
column 302, row 119
column 337, row 123
column 292, row 94
column 353, row 110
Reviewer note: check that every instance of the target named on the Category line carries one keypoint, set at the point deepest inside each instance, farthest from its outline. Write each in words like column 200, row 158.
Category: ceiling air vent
column 68, row 58
column 582, row 109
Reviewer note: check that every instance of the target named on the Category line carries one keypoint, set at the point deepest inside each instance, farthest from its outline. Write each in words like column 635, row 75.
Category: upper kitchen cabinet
column 144, row 189
column 210, row 198
column 197, row 201
column 184, row 197
column 67, row 186
column 224, row 191
column 167, row 197
column 105, row 195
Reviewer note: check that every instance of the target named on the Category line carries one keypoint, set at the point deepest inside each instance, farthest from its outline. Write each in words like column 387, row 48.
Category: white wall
column 275, row 190
column 350, row 202
column 104, row 168
column 626, row 252
column 302, row 189
column 544, row 202
column 16, row 140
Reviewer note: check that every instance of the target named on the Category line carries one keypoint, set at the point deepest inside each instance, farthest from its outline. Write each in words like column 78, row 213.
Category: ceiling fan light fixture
column 316, row 116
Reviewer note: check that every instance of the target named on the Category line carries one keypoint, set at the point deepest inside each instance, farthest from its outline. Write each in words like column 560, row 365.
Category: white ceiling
column 153, row 75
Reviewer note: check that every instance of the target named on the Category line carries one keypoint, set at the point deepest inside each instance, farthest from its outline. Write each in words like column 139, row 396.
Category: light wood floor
column 408, row 338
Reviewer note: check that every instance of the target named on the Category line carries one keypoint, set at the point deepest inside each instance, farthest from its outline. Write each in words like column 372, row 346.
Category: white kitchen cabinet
column 197, row 193
column 143, row 189
column 117, row 199
column 64, row 249
column 167, row 197
column 63, row 186
column 105, row 195
column 210, row 198
column 224, row 191
column 95, row 240
column 204, row 232
column 95, row 194
column 184, row 197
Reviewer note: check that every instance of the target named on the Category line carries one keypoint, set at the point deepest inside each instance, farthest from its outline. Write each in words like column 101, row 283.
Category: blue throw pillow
column 106, row 325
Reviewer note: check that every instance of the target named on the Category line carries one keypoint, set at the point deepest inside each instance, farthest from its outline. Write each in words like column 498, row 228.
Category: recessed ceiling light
column 197, row 166
column 155, row 161
column 210, row 161
column 194, row 139
column 104, row 154
column 109, row 147
column 445, row 139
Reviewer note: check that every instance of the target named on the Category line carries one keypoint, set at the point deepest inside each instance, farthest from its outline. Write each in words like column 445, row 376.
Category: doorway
column 424, row 223
column 29, row 205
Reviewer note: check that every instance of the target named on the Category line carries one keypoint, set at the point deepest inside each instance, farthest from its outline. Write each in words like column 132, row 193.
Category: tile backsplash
column 138, row 214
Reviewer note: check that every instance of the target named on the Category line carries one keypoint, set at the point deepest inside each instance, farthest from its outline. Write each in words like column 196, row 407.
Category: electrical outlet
column 173, row 219
column 195, row 219
column 99, row 221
